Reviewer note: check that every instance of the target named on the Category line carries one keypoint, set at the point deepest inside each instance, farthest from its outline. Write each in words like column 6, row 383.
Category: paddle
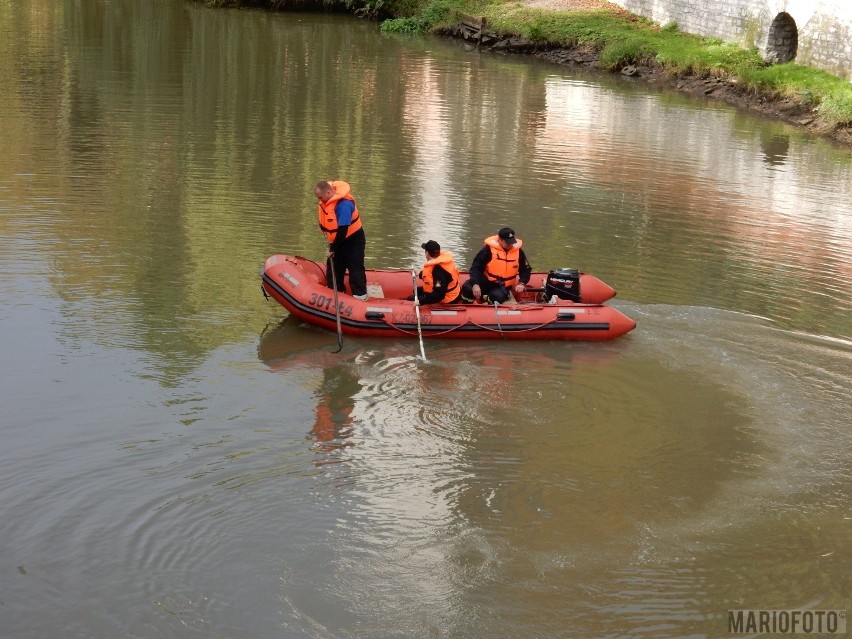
column 417, row 313
column 336, row 304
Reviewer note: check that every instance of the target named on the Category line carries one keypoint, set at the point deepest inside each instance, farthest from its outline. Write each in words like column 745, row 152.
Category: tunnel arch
column 783, row 41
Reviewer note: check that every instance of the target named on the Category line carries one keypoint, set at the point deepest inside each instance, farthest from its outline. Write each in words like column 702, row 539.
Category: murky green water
column 177, row 462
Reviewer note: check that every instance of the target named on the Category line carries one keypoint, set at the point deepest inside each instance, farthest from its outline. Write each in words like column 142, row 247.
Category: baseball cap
column 507, row 235
column 431, row 246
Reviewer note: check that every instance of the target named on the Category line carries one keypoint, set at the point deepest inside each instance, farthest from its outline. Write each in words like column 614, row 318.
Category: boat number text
column 321, row 301
column 410, row 318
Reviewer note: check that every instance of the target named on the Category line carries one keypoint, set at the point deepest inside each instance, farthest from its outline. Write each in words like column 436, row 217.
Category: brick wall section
column 824, row 27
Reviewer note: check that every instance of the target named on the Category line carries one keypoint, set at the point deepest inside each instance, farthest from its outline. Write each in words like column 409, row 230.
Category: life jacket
column 445, row 261
column 504, row 266
column 327, row 217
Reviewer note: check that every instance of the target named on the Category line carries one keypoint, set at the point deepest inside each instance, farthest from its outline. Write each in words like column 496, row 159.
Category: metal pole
column 417, row 313
column 336, row 305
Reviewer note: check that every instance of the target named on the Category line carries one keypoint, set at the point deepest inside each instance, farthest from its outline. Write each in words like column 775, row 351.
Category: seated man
column 440, row 277
column 497, row 269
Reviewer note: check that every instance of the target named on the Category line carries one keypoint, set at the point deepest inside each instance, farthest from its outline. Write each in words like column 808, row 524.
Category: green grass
column 425, row 19
column 623, row 41
column 831, row 95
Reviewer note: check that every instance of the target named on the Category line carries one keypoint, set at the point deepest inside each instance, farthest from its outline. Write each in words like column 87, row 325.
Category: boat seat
column 374, row 289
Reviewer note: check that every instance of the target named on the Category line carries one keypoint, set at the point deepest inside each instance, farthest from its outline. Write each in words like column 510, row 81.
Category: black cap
column 507, row 235
column 431, row 246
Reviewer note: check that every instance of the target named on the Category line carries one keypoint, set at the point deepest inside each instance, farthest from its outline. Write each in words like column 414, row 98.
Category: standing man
column 497, row 269
column 440, row 277
column 340, row 221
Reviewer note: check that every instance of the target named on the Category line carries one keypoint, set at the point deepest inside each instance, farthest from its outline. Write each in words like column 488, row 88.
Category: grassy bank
column 620, row 39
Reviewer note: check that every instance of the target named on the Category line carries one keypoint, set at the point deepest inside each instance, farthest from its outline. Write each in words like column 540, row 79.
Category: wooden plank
column 473, row 22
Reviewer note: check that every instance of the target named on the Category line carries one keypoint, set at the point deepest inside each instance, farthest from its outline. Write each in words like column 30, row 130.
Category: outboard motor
column 563, row 283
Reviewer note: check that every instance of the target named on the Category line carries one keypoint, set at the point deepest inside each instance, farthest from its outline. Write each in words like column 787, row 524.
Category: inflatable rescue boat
column 563, row 304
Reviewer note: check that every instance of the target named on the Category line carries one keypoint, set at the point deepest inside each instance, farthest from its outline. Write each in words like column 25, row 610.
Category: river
column 178, row 459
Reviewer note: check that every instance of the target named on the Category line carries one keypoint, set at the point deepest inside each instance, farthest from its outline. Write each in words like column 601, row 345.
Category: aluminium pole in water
column 336, row 304
column 417, row 313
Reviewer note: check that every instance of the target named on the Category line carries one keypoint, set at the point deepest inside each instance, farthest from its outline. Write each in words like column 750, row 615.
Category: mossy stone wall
column 815, row 33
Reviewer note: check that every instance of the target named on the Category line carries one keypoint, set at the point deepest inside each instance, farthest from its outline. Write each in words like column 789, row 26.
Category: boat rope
column 472, row 323
column 497, row 317
column 520, row 330
column 296, row 259
column 414, row 333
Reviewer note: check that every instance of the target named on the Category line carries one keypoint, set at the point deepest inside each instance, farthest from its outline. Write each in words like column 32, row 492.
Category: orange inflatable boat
column 298, row 284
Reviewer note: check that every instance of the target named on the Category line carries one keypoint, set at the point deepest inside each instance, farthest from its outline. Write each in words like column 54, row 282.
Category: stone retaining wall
column 817, row 33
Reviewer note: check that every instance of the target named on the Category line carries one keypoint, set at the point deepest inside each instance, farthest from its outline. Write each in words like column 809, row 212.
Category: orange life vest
column 504, row 266
column 445, row 261
column 327, row 217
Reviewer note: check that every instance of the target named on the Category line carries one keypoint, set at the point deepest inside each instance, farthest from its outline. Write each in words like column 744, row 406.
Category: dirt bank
column 728, row 90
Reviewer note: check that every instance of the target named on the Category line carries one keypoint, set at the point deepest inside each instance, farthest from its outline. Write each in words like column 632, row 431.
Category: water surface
column 179, row 461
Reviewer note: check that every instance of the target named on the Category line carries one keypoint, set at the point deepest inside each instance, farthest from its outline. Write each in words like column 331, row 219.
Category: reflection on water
column 535, row 489
column 184, row 462
column 775, row 148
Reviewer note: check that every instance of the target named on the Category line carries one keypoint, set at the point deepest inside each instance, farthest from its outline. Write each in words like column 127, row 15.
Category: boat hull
column 298, row 284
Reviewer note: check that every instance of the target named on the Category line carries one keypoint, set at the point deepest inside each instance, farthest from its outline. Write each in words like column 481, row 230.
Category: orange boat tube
column 298, row 284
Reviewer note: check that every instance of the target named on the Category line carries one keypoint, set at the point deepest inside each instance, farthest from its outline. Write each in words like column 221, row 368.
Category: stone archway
column 783, row 41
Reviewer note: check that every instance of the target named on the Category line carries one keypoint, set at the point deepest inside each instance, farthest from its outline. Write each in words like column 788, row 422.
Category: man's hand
column 477, row 291
column 519, row 287
column 330, row 253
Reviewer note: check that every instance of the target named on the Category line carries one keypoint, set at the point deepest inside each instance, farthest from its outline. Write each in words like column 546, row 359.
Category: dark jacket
column 477, row 269
column 439, row 290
